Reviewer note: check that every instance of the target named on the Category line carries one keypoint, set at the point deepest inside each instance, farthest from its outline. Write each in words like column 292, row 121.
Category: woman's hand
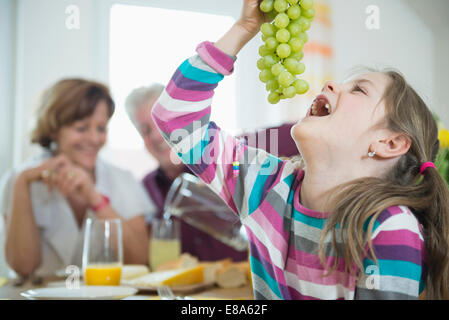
column 72, row 180
column 46, row 172
column 69, row 179
column 251, row 17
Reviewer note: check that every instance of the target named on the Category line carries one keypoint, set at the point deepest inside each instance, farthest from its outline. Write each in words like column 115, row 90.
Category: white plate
column 83, row 293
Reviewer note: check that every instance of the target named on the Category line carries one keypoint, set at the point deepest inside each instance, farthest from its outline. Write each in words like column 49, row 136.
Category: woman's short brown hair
column 67, row 101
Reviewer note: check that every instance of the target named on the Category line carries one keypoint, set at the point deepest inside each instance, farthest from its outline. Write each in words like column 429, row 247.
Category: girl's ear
column 397, row 144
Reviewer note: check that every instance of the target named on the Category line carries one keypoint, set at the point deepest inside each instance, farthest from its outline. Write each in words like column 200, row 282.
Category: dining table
column 11, row 289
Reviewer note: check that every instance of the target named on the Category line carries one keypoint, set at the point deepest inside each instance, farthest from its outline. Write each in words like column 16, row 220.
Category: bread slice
column 185, row 260
column 234, row 275
column 131, row 271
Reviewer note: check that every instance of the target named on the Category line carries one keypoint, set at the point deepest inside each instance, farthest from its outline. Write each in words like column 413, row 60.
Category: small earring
column 371, row 154
column 53, row 146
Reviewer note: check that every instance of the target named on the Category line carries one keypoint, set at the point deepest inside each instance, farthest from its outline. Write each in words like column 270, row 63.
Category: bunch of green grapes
column 284, row 39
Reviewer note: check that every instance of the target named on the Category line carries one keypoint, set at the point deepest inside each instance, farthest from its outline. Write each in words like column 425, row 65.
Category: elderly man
column 157, row 183
column 138, row 106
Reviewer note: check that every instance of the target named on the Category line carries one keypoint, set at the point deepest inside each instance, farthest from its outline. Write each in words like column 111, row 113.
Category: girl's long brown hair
column 427, row 195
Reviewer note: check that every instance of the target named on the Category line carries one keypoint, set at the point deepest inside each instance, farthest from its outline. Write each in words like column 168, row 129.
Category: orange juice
column 103, row 274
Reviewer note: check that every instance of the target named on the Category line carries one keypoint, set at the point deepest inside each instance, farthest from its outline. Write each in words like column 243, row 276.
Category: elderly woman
column 157, row 183
column 47, row 200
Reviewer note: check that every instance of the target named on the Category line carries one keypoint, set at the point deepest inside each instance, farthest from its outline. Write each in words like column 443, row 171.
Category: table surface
column 11, row 291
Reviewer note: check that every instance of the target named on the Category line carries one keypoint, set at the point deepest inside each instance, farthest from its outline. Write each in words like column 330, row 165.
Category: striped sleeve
column 182, row 114
column 398, row 245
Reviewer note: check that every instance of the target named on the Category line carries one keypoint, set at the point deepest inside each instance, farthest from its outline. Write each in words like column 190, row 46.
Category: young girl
column 364, row 215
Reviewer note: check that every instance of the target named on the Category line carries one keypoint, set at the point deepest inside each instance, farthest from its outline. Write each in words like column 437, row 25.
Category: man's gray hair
column 139, row 96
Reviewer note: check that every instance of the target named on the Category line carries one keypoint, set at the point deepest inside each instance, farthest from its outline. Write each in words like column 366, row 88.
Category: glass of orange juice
column 102, row 252
column 165, row 243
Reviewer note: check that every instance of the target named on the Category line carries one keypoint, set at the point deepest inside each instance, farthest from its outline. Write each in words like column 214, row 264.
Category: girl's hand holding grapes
column 252, row 18
column 246, row 27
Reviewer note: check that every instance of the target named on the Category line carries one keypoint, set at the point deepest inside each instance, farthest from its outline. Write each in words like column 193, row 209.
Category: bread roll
column 234, row 275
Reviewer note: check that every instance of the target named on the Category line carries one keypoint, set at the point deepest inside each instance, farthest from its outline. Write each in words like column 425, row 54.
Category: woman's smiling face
column 82, row 140
column 355, row 108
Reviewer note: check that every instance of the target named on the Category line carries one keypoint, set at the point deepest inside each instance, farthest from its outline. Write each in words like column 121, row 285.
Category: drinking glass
column 102, row 252
column 165, row 243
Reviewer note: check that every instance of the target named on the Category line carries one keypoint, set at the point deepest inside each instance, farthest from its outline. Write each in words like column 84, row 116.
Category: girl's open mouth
column 320, row 107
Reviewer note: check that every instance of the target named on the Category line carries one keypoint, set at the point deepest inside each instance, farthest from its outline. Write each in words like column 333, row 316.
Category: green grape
column 280, row 5
column 296, row 44
column 294, row 29
column 265, row 75
column 271, row 15
column 304, row 37
column 300, row 68
column 261, row 64
column 263, row 51
column 289, row 92
column 304, row 23
column 309, row 14
column 271, row 43
column 268, row 29
column 267, row 5
column 282, row 35
column 301, row 86
column 277, row 68
column 283, row 50
column 290, row 64
column 272, row 85
column 264, row 38
column 276, row 57
column 274, row 98
column 293, row 1
column 307, row 4
column 281, row 21
column 294, row 12
column 270, row 60
column 285, row 78
column 297, row 55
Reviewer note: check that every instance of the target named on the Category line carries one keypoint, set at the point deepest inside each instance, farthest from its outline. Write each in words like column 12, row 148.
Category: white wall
column 7, row 31
column 7, row 78
column 441, row 79
column 441, row 69
column 48, row 51
column 435, row 17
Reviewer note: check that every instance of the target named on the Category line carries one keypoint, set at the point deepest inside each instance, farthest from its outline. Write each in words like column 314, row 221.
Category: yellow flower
column 443, row 136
